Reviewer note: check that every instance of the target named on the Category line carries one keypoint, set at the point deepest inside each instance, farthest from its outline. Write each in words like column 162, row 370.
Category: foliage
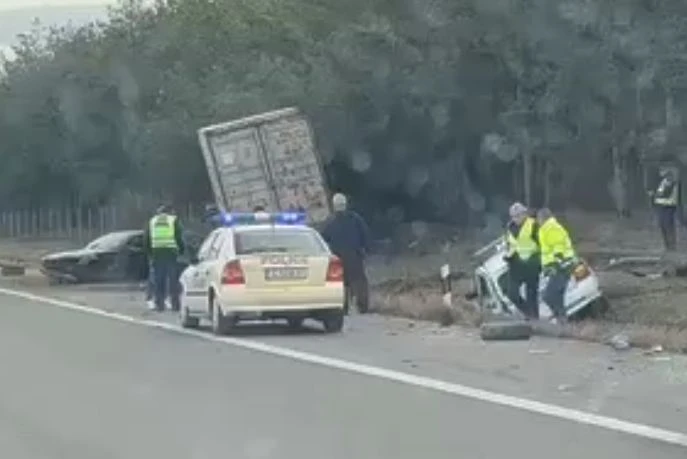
column 423, row 108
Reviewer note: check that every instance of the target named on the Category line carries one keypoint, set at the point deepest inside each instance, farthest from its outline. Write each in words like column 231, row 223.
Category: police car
column 263, row 266
column 583, row 294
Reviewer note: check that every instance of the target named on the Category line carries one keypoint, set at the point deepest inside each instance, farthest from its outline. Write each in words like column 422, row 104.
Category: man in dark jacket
column 349, row 238
column 164, row 242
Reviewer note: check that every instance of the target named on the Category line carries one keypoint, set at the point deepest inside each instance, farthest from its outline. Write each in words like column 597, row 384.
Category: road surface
column 80, row 386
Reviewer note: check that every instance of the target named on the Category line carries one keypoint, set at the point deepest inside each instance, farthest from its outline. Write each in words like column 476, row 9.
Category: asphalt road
column 83, row 387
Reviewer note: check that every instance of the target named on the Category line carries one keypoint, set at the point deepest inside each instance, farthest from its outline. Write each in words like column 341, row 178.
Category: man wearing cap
column 558, row 259
column 523, row 260
column 164, row 243
column 667, row 203
column 349, row 238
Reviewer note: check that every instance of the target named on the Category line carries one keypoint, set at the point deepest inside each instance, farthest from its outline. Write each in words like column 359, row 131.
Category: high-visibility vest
column 554, row 243
column 162, row 232
column 671, row 199
column 524, row 244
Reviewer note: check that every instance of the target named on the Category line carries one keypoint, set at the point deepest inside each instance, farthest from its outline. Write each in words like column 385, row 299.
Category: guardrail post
column 446, row 289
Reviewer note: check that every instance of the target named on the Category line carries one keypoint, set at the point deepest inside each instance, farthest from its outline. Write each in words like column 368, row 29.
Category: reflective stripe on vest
column 162, row 232
column 524, row 245
column 671, row 199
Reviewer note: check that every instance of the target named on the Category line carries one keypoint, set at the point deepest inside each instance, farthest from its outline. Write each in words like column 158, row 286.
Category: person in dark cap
column 164, row 242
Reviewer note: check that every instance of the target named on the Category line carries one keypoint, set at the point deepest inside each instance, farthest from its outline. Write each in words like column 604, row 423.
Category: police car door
column 194, row 278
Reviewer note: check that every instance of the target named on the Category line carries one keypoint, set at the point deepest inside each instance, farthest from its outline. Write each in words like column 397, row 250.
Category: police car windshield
column 279, row 240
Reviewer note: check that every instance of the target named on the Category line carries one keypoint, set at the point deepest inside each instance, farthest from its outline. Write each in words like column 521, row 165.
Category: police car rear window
column 278, row 241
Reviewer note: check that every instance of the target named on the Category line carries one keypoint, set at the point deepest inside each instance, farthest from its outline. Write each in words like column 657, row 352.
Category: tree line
column 423, row 109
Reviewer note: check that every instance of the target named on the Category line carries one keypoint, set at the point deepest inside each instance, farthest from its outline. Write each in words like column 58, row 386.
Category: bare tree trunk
column 527, row 176
column 619, row 183
column 547, row 183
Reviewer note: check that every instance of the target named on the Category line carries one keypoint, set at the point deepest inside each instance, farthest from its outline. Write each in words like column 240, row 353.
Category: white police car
column 263, row 266
column 583, row 294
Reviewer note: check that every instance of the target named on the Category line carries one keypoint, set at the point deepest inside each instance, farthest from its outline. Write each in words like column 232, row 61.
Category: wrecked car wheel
column 505, row 330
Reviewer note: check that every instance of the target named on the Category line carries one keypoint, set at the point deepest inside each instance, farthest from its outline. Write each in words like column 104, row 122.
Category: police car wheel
column 221, row 324
column 186, row 320
column 333, row 322
column 505, row 330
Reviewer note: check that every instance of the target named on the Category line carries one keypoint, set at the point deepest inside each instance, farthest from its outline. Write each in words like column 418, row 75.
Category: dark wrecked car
column 113, row 257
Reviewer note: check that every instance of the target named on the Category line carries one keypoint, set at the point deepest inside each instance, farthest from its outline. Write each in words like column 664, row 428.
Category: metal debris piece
column 620, row 342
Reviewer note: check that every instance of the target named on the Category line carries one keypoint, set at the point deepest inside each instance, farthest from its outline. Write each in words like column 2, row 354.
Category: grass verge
column 644, row 327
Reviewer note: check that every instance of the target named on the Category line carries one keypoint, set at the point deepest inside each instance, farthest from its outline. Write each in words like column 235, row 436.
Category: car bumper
column 58, row 275
column 288, row 300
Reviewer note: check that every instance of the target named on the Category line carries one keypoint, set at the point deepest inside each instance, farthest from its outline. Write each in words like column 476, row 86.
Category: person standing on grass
column 666, row 199
column 349, row 238
column 164, row 243
column 522, row 239
column 558, row 259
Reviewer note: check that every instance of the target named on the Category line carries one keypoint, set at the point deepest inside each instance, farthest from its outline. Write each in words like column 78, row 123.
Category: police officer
column 557, row 259
column 349, row 238
column 667, row 200
column 164, row 243
column 523, row 260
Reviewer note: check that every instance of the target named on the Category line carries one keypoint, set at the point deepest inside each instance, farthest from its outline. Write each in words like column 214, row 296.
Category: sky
column 16, row 4
column 16, row 16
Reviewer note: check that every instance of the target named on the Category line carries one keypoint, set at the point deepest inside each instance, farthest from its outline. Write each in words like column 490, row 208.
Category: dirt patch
column 649, row 310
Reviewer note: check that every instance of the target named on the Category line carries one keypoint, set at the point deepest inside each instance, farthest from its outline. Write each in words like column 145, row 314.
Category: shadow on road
column 259, row 328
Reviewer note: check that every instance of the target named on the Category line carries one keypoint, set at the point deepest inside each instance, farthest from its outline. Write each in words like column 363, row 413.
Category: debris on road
column 620, row 342
column 12, row 267
column 539, row 351
column 505, row 330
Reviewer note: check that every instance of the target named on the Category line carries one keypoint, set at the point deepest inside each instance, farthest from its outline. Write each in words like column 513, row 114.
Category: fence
column 82, row 223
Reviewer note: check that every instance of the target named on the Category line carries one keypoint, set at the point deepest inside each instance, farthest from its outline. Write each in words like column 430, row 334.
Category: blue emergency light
column 257, row 218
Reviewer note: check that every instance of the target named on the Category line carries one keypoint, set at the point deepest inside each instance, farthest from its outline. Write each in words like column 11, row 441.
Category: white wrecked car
column 583, row 296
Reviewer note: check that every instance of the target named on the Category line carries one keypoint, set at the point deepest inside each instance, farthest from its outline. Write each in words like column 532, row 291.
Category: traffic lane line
column 533, row 406
column 194, row 398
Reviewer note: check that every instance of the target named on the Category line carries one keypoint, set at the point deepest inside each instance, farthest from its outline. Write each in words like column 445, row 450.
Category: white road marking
column 532, row 406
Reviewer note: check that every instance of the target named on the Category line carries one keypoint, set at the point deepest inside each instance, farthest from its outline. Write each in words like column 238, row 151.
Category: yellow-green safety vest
column 524, row 244
column 162, row 232
column 554, row 243
column 671, row 199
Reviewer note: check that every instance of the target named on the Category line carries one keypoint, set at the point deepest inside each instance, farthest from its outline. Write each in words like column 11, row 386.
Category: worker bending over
column 349, row 238
column 523, row 260
column 558, row 260
column 164, row 243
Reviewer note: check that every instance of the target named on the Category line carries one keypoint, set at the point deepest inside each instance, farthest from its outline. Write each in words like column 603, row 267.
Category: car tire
column 187, row 320
column 221, row 324
column 333, row 322
column 295, row 323
column 505, row 330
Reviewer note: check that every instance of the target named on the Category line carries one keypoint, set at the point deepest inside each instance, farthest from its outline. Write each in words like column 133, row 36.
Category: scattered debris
column 505, row 330
column 620, row 342
column 657, row 349
column 539, row 351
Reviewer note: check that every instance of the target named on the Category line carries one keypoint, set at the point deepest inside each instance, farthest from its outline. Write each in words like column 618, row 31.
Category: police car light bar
column 279, row 218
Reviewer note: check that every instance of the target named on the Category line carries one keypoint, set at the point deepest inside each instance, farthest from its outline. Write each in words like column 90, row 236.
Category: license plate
column 285, row 274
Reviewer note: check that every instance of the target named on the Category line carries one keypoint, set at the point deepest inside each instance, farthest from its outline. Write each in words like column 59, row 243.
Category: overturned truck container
column 269, row 160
